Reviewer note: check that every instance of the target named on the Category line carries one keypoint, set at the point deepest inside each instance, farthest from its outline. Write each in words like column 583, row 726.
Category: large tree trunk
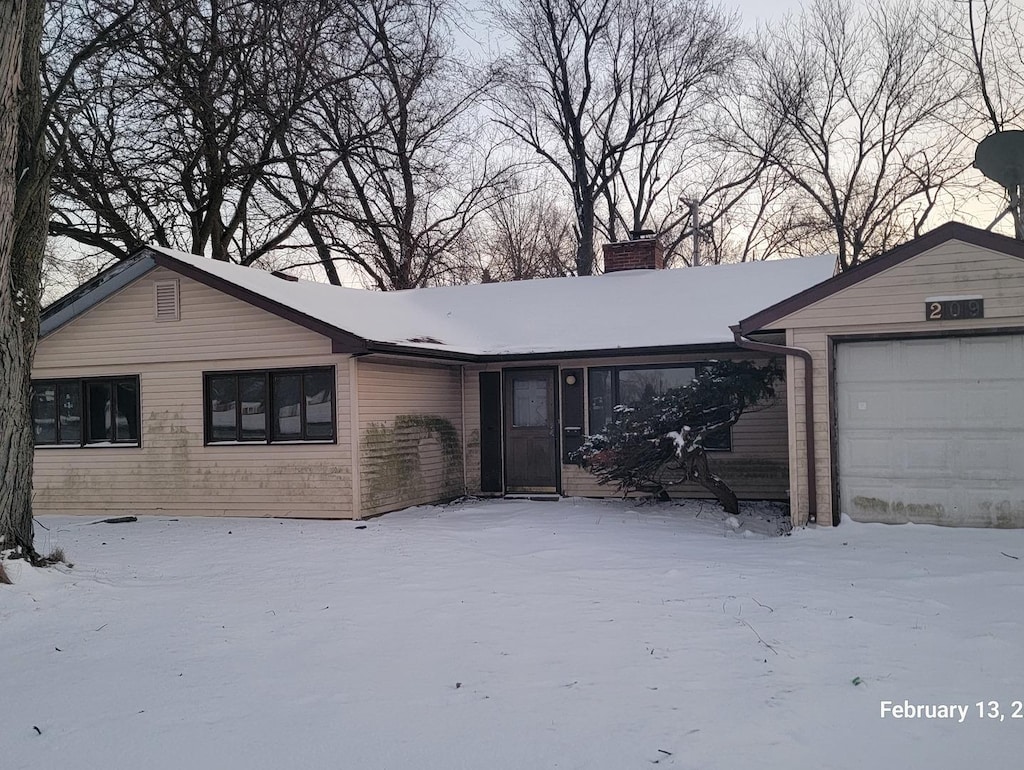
column 585, row 218
column 24, row 210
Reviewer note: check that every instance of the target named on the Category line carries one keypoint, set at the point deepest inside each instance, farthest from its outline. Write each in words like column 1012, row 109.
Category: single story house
column 175, row 384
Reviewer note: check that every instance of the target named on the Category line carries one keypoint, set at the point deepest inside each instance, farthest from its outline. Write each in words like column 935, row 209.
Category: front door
column 531, row 457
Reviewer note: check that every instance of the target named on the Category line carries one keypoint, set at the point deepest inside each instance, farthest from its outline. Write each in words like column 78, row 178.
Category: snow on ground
column 511, row 634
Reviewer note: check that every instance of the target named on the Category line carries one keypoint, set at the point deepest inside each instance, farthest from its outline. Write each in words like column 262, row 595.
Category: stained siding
column 410, row 434
column 891, row 302
column 757, row 467
column 172, row 472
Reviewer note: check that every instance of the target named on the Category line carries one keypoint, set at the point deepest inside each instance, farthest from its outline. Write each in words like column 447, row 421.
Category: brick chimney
column 644, row 252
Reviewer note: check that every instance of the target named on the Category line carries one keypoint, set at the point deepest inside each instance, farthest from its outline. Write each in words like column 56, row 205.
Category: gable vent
column 165, row 300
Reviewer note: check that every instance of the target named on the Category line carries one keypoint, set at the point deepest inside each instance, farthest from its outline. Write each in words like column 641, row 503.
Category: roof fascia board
column 653, row 350
column 497, row 358
column 341, row 340
column 93, row 292
column 940, row 235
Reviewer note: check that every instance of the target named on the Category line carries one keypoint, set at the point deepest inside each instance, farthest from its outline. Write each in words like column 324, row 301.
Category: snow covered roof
column 624, row 310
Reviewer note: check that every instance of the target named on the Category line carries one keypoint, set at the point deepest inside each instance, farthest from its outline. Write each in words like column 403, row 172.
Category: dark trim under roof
column 395, row 349
column 948, row 232
column 92, row 292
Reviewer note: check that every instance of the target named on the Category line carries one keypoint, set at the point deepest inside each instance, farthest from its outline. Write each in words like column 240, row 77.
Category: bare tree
column 525, row 235
column 397, row 128
column 173, row 136
column 741, row 216
column 851, row 104
column 985, row 41
column 679, row 159
column 600, row 89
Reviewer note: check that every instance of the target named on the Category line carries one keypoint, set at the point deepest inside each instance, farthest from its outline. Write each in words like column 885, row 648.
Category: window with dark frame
column 86, row 412
column 610, row 386
column 269, row 406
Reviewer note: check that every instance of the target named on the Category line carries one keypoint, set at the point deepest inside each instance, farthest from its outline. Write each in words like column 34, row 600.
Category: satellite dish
column 1000, row 157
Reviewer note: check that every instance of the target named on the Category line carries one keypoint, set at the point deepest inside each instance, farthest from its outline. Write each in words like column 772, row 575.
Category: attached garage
column 905, row 381
column 931, row 430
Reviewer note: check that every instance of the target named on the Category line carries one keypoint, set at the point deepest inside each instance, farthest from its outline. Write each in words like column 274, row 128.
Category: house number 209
column 951, row 309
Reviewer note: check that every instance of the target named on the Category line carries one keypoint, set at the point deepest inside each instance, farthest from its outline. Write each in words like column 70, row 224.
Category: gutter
column 805, row 356
column 397, row 349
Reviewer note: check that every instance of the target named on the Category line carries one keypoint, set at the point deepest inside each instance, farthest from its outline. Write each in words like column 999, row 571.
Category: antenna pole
column 1018, row 212
column 695, row 224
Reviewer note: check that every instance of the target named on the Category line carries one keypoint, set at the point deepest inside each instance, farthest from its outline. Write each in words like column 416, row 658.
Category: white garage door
column 932, row 431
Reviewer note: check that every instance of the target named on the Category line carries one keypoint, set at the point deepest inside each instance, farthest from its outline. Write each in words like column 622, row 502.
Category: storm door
column 531, row 456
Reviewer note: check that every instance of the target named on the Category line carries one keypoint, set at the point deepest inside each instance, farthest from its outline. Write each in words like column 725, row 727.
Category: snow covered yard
column 509, row 634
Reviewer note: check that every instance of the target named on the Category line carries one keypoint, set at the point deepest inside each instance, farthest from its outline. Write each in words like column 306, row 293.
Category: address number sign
column 952, row 309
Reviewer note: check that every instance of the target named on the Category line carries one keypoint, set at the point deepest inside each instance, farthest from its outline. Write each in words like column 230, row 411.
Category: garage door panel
column 932, row 431
column 926, row 455
column 870, row 456
column 896, row 504
column 998, row 405
column 923, row 406
column 868, row 407
column 987, row 507
column 930, row 360
column 990, row 355
column 861, row 360
column 987, row 459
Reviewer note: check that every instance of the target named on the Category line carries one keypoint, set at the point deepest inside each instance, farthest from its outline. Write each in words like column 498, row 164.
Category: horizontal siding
column 891, row 302
column 213, row 326
column 172, row 472
column 897, row 296
column 410, row 435
column 757, row 468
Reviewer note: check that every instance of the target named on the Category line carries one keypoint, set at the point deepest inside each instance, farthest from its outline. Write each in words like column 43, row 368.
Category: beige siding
column 410, row 434
column 213, row 326
column 173, row 472
column 891, row 302
column 757, row 467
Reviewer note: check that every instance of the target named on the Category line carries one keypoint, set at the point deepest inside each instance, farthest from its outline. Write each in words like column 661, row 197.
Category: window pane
column 98, row 401
column 222, row 409
column 529, row 403
column 319, row 390
column 44, row 412
column 636, row 385
column 69, row 412
column 720, row 440
column 602, row 398
column 127, row 425
column 252, row 390
column 287, row 418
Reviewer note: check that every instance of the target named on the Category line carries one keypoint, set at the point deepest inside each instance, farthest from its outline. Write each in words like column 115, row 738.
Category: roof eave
column 108, row 282
column 943, row 233
column 341, row 341
column 391, row 348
